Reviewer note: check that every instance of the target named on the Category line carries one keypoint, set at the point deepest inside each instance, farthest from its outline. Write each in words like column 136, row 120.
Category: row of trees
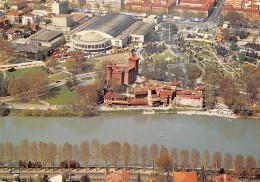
column 117, row 154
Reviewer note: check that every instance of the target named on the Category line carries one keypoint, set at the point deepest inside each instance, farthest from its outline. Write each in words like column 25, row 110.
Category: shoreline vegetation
column 118, row 111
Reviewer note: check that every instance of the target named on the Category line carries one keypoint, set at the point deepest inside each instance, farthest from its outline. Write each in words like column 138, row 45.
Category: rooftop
column 143, row 29
column 46, row 35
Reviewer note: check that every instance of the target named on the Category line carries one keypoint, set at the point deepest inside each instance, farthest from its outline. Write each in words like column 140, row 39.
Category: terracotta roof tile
column 185, row 177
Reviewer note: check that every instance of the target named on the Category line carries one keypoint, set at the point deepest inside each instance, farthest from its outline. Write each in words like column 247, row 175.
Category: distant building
column 186, row 98
column 18, row 5
column 60, row 7
column 150, row 6
column 123, row 74
column 28, row 19
column 248, row 13
column 153, row 19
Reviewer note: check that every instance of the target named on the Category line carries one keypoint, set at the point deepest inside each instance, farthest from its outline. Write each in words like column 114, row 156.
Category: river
column 175, row 130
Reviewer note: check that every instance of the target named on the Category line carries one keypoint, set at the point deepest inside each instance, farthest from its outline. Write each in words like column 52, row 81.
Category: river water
column 181, row 131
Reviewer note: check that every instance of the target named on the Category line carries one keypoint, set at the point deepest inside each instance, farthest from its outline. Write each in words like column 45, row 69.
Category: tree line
column 45, row 155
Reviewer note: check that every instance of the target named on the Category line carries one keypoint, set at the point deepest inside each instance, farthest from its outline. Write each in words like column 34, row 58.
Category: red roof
column 185, row 177
column 141, row 92
column 13, row 13
column 123, row 177
column 3, row 20
column 138, row 102
column 224, row 178
column 166, row 87
column 174, row 83
column 110, row 95
column 201, row 88
column 12, row 30
column 184, row 92
column 149, row 4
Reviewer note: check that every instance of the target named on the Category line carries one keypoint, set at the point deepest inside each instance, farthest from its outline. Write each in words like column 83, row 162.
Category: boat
column 148, row 111
column 180, row 125
column 160, row 135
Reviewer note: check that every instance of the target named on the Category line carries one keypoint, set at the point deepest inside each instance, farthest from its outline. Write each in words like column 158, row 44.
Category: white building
column 60, row 7
column 29, row 18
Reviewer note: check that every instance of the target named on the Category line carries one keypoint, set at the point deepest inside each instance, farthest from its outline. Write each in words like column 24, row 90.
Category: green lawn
column 22, row 72
column 56, row 77
column 62, row 96
column 163, row 56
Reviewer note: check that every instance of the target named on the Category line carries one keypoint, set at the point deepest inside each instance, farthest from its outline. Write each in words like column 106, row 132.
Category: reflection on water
column 181, row 131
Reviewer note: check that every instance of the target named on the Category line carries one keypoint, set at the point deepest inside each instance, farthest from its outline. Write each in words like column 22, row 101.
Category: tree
column 52, row 148
column 136, row 154
column 115, row 150
column 195, row 158
column 84, row 178
column 67, row 153
column 144, row 155
column 43, row 153
column 174, row 157
column 95, row 146
column 85, row 153
column 241, row 56
column 216, row 160
column 105, row 153
column 139, row 178
column 34, row 153
column 206, row 160
column 153, row 152
column 239, row 164
column 76, row 154
column 126, row 154
column 250, row 164
column 228, row 160
column 163, row 161
column 9, row 152
column 52, row 63
column 184, row 155
column 2, row 155
column 25, row 152
column 59, row 154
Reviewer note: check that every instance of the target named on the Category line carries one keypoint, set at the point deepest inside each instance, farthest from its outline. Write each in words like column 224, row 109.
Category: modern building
column 60, row 7
column 123, row 74
column 103, row 33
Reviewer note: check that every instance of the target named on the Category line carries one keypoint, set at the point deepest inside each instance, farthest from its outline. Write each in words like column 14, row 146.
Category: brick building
column 151, row 6
column 123, row 74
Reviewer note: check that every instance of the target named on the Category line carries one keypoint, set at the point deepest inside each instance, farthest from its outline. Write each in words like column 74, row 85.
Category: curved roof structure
column 91, row 37
column 111, row 24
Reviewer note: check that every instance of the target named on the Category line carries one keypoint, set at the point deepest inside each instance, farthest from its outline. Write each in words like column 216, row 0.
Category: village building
column 14, row 33
column 185, row 177
column 224, row 178
column 187, row 98
column 118, row 177
column 18, row 5
column 123, row 74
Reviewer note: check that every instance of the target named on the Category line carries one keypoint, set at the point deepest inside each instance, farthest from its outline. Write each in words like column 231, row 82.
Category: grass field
column 163, row 56
column 59, row 76
column 22, row 72
column 62, row 96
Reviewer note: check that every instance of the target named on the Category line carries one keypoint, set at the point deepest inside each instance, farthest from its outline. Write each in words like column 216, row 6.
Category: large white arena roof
column 111, row 24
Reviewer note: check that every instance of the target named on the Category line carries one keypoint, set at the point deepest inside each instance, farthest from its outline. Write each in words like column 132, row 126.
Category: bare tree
column 216, row 160
column 144, row 155
column 239, row 164
column 76, row 154
column 174, row 157
column 206, row 160
column 136, row 153
column 250, row 164
column 126, row 154
column 228, row 162
column 154, row 151
column 105, row 153
column 115, row 150
column 59, row 154
column 43, row 147
column 95, row 146
column 85, row 153
column 2, row 155
column 25, row 152
column 195, row 158
column 52, row 149
column 67, row 153
column 9, row 148
column 17, row 156
column 34, row 154
column 184, row 155
column 163, row 160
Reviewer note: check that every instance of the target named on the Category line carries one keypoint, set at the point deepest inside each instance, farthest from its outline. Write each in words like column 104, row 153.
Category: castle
column 123, row 74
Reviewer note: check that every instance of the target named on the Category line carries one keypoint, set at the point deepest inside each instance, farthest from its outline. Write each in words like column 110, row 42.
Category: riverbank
column 206, row 113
